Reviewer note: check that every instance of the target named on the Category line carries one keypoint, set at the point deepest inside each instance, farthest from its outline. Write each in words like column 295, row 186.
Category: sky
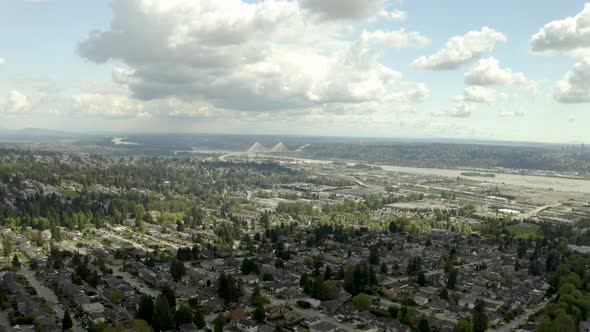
column 494, row 70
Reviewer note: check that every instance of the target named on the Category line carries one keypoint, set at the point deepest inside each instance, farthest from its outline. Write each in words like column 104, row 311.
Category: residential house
column 247, row 325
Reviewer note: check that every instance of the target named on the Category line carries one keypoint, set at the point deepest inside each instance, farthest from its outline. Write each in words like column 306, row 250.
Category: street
column 48, row 295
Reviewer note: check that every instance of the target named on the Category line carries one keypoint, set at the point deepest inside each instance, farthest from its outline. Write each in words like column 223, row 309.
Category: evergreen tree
column 249, row 266
column 373, row 256
column 177, row 270
column 162, row 318
column 7, row 246
column 183, row 316
column 303, row 279
column 93, row 279
column 265, row 219
column 552, row 260
column 228, row 288
column 170, row 295
column 138, row 223
column 421, row 279
column 414, row 266
column 407, row 315
column 66, row 323
column 56, row 233
column 219, row 323
column 393, row 227
column 522, row 248
column 199, row 319
column 452, row 279
column 257, row 298
column 259, row 313
column 423, row 325
column 328, row 273
column 340, row 274
column 444, row 294
column 146, row 308
column 359, row 277
column 16, row 262
column 318, row 289
column 480, row 318
column 279, row 264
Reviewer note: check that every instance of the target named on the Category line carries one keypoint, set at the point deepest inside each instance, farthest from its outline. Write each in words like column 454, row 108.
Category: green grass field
column 525, row 230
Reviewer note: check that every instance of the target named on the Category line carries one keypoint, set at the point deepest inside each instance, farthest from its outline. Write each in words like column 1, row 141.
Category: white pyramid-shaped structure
column 256, row 148
column 301, row 148
column 279, row 148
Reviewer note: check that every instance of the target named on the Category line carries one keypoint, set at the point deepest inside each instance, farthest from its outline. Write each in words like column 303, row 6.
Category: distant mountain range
column 39, row 133
column 36, row 132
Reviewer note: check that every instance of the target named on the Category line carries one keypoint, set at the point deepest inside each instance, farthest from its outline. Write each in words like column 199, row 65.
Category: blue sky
column 321, row 67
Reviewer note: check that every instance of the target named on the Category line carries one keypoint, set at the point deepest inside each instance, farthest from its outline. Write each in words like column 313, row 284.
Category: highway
column 532, row 213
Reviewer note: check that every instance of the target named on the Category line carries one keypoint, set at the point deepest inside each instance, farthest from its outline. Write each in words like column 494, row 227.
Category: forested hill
column 419, row 153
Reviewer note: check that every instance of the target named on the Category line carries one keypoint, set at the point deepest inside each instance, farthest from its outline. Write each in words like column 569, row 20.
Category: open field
column 525, row 230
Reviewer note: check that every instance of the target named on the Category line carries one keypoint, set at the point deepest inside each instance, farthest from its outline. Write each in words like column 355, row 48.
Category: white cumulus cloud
column 564, row 35
column 574, row 88
column 14, row 102
column 570, row 35
column 345, row 9
column 488, row 72
column 117, row 104
column 259, row 57
column 479, row 94
column 459, row 110
column 420, row 94
column 395, row 38
column 461, row 49
column 108, row 105
column 394, row 15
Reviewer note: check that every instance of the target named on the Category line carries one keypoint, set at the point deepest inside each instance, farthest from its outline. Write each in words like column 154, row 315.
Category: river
column 530, row 181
